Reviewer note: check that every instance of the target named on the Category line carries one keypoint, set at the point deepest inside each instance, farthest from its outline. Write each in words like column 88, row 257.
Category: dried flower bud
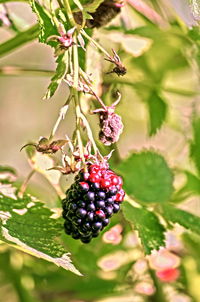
column 44, row 146
column 119, row 68
column 111, row 127
column 110, row 123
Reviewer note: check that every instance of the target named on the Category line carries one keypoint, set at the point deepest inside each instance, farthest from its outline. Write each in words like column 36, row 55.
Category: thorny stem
column 95, row 43
column 76, row 98
column 69, row 12
column 89, row 133
column 25, row 183
column 55, row 20
column 91, row 90
column 61, row 117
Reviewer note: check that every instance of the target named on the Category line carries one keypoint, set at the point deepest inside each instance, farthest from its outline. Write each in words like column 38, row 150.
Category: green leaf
column 147, row 177
column 7, row 174
column 61, row 70
column 19, row 40
column 27, row 224
column 91, row 7
column 157, row 112
column 192, row 184
column 195, row 144
column 47, row 28
column 186, row 219
column 151, row 232
column 87, row 8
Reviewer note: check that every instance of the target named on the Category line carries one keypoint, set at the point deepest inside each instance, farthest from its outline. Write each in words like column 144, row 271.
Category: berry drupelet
column 90, row 202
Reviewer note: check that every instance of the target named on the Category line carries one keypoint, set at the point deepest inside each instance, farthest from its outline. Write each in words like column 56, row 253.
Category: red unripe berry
column 120, row 181
column 84, row 185
column 105, row 183
column 86, row 175
column 100, row 213
column 168, row 275
column 114, row 180
column 94, row 177
column 94, row 168
column 120, row 196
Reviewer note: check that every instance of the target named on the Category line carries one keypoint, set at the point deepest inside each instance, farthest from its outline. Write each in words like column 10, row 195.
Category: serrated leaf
column 150, row 231
column 157, row 112
column 147, row 177
column 186, row 219
column 27, row 224
column 195, row 144
column 47, row 28
column 61, row 70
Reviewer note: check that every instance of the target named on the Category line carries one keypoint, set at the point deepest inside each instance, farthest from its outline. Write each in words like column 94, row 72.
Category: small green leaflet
column 186, row 219
column 195, row 144
column 147, row 177
column 150, row 231
column 89, row 8
column 92, row 6
column 27, row 224
column 61, row 70
column 157, row 112
column 47, row 28
column 191, row 187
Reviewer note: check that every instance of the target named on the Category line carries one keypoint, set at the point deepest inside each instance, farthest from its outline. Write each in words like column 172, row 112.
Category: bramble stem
column 69, row 12
column 95, row 43
column 94, row 94
column 25, row 183
column 55, row 20
column 89, row 133
column 61, row 117
column 76, row 97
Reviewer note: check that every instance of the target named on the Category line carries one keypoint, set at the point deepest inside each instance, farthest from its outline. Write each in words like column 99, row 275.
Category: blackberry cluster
column 90, row 202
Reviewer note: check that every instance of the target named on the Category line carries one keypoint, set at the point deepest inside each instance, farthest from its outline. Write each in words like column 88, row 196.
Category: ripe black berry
column 100, row 204
column 101, row 195
column 91, row 201
column 91, row 207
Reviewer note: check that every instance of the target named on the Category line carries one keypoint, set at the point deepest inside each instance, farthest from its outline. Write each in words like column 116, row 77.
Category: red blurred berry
column 168, row 275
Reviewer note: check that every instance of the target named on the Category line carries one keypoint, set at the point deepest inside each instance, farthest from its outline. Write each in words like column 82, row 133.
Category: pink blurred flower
column 163, row 259
column 113, row 236
column 4, row 20
column 112, row 262
column 145, row 288
column 140, row 266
